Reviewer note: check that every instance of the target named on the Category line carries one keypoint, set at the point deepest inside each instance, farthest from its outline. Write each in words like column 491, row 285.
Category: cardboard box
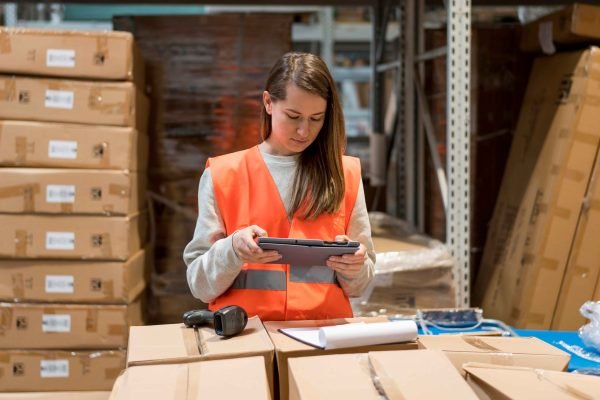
column 67, row 326
column 76, row 54
column 520, row 351
column 72, row 237
column 548, row 173
column 71, row 191
column 56, row 396
column 495, row 382
column 576, row 23
column 286, row 347
column 36, row 371
column 239, row 378
column 41, row 144
column 74, row 281
column 174, row 344
column 403, row 375
column 86, row 102
column 583, row 269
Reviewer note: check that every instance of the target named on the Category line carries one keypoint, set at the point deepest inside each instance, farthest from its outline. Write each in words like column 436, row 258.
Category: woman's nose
column 303, row 128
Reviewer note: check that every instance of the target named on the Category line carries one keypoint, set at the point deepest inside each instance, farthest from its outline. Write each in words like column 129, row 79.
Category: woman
column 296, row 183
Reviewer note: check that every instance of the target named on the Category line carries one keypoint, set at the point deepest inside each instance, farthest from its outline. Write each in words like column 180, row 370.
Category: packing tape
column 101, row 49
column 18, row 286
column 5, row 41
column 108, row 289
column 20, row 243
column 91, row 319
column 9, row 92
column 535, row 318
column 569, row 174
column 6, row 317
column 119, row 190
column 56, row 84
column 105, row 155
column 66, row 208
column 117, row 329
column 182, row 386
column 502, row 358
column 96, row 102
column 191, row 342
column 21, row 149
column 549, row 264
column 479, row 343
column 106, row 247
column 112, row 373
column 383, row 383
column 28, row 191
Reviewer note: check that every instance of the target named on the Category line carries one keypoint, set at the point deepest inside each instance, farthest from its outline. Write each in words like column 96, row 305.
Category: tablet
column 307, row 252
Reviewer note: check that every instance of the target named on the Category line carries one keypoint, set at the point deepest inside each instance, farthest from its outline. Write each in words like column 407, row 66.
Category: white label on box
column 56, row 323
column 54, row 368
column 62, row 149
column 60, row 58
column 60, row 193
column 59, row 99
column 60, row 240
column 60, row 284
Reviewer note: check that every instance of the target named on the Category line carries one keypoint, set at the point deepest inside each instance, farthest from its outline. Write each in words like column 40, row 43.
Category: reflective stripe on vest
column 275, row 280
column 260, row 279
column 315, row 274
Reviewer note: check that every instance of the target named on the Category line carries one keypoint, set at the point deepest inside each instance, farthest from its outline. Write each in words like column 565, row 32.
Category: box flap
column 408, row 375
column 489, row 344
column 401, row 375
column 172, row 343
column 523, row 382
column 198, row 380
column 342, row 376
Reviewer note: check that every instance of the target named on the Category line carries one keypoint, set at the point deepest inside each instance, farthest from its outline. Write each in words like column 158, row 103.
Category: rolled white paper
column 354, row 335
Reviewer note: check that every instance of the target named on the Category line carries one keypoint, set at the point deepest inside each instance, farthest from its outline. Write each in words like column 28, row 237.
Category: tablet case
column 306, row 252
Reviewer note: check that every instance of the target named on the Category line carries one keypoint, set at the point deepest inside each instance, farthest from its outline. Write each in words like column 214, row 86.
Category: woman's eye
column 293, row 117
column 317, row 119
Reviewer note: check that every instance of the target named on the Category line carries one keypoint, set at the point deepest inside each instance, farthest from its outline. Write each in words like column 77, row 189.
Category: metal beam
column 458, row 143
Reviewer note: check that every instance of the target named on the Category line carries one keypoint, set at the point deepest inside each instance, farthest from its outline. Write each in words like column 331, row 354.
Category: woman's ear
column 267, row 102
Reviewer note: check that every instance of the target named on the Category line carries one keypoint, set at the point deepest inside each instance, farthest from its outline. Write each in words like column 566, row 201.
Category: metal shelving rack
column 405, row 192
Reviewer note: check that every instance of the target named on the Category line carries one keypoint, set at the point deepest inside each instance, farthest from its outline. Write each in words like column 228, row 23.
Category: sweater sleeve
column 359, row 229
column 212, row 264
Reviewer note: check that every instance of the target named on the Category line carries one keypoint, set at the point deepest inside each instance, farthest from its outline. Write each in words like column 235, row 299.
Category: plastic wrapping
column 590, row 333
column 412, row 271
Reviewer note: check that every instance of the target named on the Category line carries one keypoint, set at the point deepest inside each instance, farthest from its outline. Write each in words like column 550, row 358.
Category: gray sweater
column 212, row 264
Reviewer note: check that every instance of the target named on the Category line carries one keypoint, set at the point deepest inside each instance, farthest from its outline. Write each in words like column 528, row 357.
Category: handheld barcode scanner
column 228, row 321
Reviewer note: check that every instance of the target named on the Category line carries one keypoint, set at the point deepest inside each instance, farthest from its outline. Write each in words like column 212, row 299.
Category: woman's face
column 296, row 121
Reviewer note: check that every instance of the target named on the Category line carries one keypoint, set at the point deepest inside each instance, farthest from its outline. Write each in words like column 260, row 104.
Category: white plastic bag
column 590, row 333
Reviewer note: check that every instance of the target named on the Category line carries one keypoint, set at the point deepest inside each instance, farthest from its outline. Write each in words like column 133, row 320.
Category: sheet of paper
column 355, row 335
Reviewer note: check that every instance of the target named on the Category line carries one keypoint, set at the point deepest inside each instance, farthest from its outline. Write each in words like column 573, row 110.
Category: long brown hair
column 319, row 182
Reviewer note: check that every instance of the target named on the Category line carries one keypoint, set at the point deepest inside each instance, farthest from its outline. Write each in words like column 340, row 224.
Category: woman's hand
column 244, row 245
column 348, row 265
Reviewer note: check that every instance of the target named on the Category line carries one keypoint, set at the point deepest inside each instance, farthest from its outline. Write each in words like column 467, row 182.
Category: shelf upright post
column 458, row 142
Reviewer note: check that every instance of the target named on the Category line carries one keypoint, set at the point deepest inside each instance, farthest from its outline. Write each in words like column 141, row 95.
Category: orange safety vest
column 246, row 194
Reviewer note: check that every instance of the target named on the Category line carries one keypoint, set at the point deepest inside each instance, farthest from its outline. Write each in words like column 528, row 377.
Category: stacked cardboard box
column 72, row 200
column 541, row 260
